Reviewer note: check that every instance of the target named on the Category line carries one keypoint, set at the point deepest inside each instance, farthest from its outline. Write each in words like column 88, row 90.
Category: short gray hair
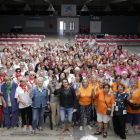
column 42, row 71
column 40, row 78
column 134, row 80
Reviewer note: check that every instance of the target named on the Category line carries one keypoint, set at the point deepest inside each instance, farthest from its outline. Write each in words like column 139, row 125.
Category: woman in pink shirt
column 121, row 68
column 107, row 46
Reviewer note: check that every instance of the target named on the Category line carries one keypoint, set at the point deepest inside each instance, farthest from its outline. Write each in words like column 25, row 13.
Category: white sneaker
column 25, row 127
column 81, row 128
column 89, row 127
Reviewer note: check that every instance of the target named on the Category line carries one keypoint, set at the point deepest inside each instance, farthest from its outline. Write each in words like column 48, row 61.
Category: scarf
column 40, row 88
column 31, row 82
column 2, row 80
column 17, row 78
column 23, row 87
column 45, row 79
column 9, row 88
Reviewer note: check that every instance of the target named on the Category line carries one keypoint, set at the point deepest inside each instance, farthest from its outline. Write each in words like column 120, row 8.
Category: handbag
column 134, row 106
column 108, row 112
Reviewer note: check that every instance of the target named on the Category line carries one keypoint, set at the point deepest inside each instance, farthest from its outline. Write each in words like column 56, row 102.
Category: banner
column 95, row 18
column 68, row 10
column 35, row 17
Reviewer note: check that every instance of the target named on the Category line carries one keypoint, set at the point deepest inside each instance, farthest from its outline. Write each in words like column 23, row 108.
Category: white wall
column 95, row 26
column 68, row 21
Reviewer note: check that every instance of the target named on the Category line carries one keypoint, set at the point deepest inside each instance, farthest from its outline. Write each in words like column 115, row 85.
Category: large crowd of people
column 73, row 82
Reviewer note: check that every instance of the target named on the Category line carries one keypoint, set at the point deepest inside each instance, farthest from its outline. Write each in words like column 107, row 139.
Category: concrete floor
column 54, row 135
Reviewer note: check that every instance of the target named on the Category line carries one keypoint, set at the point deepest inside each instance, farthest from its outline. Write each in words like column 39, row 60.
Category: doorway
column 67, row 25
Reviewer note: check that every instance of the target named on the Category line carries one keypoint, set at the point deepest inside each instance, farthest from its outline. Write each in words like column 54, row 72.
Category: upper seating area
column 108, row 38
column 21, row 36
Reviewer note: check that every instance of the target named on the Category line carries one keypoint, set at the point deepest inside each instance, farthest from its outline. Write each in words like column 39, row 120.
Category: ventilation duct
column 116, row 1
column 27, row 8
column 84, row 8
column 3, row 7
column 22, row 1
column 131, row 8
column 107, row 9
column 51, row 8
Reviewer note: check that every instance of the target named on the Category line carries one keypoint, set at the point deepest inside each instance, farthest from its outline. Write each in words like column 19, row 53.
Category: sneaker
column 95, row 124
column 126, row 132
column 55, row 127
column 25, row 127
column 30, row 128
column 91, row 124
column 137, row 133
column 81, row 128
column 89, row 127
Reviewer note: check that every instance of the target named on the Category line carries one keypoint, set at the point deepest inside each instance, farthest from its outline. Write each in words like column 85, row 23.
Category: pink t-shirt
column 119, row 71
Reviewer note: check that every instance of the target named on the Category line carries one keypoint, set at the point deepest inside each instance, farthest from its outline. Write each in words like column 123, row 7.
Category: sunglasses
column 22, row 81
column 32, row 75
column 18, row 71
column 121, row 64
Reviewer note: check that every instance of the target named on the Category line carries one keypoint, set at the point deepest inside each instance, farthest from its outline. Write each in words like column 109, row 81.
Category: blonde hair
column 84, row 80
column 6, row 78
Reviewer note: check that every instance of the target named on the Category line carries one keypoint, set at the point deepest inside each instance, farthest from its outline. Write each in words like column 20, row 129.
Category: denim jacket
column 14, row 104
column 36, row 95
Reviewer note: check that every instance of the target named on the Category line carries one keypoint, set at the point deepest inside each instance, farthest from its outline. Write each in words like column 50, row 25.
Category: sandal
column 40, row 130
column 72, row 124
column 33, row 133
column 98, row 133
column 69, row 130
column 104, row 134
column 63, row 130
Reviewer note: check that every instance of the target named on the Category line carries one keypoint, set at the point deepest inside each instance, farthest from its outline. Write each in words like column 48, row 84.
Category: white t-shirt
column 24, row 97
column 45, row 83
column 31, row 84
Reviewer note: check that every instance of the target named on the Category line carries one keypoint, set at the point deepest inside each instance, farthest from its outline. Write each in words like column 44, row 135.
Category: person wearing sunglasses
column 121, row 68
column 17, row 75
column 24, row 100
column 40, row 100
column 9, row 102
column 32, row 79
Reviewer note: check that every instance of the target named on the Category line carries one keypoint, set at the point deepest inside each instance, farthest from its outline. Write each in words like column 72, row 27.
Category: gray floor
column 54, row 135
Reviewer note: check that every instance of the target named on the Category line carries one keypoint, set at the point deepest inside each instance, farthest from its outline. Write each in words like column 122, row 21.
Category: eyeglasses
column 121, row 64
column 18, row 71
column 32, row 75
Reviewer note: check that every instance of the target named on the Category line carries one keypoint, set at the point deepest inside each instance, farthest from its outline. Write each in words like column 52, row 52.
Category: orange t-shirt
column 136, row 99
column 100, row 91
column 96, row 85
column 102, row 107
column 85, row 96
column 138, row 85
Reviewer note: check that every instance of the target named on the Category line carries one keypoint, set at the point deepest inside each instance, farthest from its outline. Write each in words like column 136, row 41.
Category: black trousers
column 119, row 125
column 28, row 111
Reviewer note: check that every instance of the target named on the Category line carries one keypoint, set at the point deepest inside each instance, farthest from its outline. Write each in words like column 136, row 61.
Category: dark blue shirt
column 121, row 103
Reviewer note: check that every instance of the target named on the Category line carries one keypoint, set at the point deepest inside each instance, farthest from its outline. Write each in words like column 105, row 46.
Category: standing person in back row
column 91, row 43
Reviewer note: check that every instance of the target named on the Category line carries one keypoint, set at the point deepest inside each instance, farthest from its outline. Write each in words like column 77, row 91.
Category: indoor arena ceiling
column 93, row 5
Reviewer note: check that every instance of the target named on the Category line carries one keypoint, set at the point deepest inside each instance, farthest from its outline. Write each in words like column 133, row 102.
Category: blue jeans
column 63, row 111
column 35, row 112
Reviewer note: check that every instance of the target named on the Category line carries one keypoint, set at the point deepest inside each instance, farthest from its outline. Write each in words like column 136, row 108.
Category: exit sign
column 95, row 18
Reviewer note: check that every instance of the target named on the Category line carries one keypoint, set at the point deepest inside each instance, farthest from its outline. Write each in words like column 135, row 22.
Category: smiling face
column 120, row 89
column 133, row 85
